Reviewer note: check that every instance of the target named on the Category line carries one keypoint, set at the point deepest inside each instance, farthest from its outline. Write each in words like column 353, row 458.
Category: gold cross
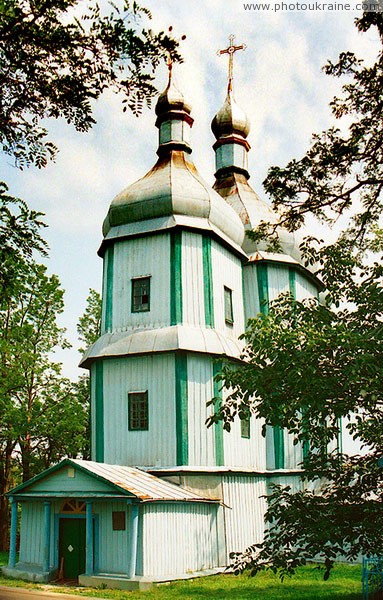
column 230, row 51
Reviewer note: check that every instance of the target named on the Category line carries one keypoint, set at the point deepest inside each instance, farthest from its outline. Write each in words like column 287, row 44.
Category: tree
column 54, row 62
column 36, row 403
column 310, row 365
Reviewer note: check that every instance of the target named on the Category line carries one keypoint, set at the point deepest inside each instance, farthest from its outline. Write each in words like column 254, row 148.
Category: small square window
column 228, row 298
column 245, row 428
column 119, row 520
column 141, row 294
column 138, row 411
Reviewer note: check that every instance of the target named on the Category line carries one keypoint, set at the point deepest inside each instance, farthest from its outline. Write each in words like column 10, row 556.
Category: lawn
column 344, row 584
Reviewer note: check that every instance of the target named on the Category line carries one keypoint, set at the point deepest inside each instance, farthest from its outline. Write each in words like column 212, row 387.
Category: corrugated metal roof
column 144, row 486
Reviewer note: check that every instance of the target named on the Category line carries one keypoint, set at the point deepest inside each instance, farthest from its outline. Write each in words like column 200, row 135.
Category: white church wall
column 179, row 538
column 227, row 272
column 293, row 453
column 250, row 291
column 141, row 257
column 304, row 288
column 114, row 550
column 242, row 494
column 245, row 452
column 192, row 280
column 200, row 391
column 32, row 533
column 278, row 279
column 154, row 373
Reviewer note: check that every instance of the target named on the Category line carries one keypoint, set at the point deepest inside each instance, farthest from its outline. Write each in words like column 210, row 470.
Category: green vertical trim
column 292, row 282
column 279, row 447
column 263, row 288
column 176, row 277
column 109, row 289
column 182, row 434
column 218, row 429
column 99, row 402
column 208, row 282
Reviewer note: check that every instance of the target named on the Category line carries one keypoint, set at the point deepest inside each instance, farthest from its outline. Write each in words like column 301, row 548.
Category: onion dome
column 171, row 99
column 230, row 119
column 231, row 127
column 172, row 192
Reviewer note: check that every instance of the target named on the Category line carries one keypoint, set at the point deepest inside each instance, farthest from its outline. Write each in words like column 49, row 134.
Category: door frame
column 96, row 543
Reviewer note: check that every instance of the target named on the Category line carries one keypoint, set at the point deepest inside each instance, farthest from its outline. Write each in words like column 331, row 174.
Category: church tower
column 180, row 280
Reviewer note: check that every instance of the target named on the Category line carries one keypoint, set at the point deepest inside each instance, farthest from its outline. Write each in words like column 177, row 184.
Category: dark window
column 245, row 428
column 118, row 520
column 141, row 294
column 138, row 411
column 228, row 305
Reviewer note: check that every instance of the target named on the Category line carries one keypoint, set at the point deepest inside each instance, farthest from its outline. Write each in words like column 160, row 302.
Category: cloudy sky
column 277, row 80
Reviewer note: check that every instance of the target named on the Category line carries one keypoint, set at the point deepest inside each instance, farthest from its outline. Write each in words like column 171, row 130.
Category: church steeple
column 231, row 127
column 173, row 118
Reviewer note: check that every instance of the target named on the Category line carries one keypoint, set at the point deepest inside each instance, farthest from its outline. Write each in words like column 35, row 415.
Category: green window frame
column 138, row 410
column 141, row 294
column 245, row 428
column 228, row 304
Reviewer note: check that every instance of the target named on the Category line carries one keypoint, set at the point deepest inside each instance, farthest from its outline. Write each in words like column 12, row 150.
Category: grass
column 344, row 584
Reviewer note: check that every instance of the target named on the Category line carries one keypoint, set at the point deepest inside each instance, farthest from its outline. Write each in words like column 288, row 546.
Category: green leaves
column 54, row 64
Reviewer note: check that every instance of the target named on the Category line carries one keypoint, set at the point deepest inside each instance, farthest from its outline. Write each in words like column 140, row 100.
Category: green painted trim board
column 279, row 447
column 292, row 282
column 218, row 429
column 176, row 278
column 99, row 404
column 182, row 433
column 208, row 282
column 109, row 289
column 263, row 288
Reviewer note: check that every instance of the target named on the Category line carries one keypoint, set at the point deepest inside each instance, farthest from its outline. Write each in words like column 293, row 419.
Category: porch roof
column 103, row 481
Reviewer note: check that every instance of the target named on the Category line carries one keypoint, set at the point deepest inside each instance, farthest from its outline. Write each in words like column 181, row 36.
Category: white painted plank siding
column 149, row 256
column 179, row 538
column 157, row 446
column 250, row 291
column 227, row 271
column 305, row 288
column 192, row 279
column 278, row 278
column 200, row 391
column 245, row 517
column 114, row 546
column 244, row 452
column 32, row 533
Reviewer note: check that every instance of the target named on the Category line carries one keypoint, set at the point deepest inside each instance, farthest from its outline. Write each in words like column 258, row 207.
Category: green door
column 72, row 544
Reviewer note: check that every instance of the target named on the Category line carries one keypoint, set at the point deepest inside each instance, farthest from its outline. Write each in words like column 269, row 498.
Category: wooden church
column 165, row 497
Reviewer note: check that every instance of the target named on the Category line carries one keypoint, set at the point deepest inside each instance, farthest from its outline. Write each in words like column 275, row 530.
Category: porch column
column 13, row 536
column 133, row 539
column 89, row 538
column 47, row 536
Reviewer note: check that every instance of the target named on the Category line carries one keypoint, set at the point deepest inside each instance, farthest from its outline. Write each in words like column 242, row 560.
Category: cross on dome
column 230, row 51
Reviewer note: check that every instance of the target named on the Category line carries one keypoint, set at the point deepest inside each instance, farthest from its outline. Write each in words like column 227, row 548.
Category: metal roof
column 144, row 486
column 164, row 339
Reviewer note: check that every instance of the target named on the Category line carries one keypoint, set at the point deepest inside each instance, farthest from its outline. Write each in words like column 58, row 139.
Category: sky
column 278, row 81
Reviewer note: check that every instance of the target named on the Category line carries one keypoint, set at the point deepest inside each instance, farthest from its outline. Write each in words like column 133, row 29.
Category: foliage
column 89, row 324
column 309, row 366
column 55, row 61
column 344, row 585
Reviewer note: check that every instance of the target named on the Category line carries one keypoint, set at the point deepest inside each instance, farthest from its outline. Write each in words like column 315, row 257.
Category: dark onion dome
column 171, row 99
column 230, row 119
